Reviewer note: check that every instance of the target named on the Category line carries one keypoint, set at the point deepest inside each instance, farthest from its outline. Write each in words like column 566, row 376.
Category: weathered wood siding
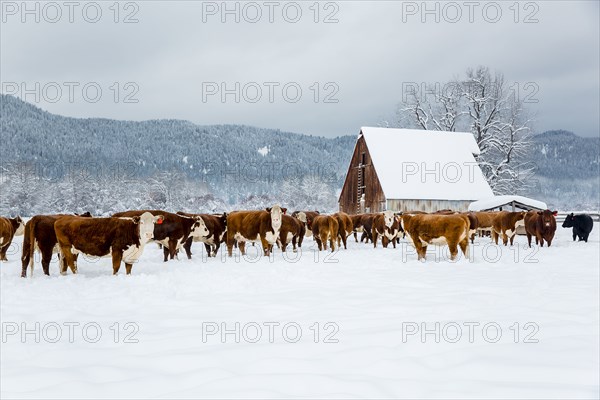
column 349, row 200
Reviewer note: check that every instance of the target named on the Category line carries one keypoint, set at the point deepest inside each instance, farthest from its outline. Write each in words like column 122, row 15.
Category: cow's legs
column 173, row 248
column 529, row 238
column 355, row 237
column 423, row 253
column 128, row 268
column 294, row 242
column 188, row 248
column 453, row 250
column 229, row 242
column 165, row 253
column 318, row 240
column 242, row 247
column 266, row 246
column 324, row 239
column 494, row 236
column 208, row 249
column 375, row 238
column 46, row 258
column 504, row 238
column 464, row 247
column 117, row 257
column 512, row 238
column 332, row 243
column 3, row 251
column 67, row 260
column 344, row 240
column 73, row 265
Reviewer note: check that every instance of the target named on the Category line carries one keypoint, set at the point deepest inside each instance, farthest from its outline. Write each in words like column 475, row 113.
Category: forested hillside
column 51, row 163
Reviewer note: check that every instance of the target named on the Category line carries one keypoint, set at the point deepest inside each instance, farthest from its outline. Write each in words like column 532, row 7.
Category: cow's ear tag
column 555, row 213
column 160, row 221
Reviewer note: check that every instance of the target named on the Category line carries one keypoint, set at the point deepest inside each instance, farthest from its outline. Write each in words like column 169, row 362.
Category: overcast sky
column 179, row 56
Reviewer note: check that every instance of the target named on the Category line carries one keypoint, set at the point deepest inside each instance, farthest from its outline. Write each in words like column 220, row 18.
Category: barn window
column 363, row 158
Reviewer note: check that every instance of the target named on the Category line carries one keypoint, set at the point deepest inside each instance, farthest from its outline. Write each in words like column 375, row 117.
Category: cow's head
column 276, row 215
column 547, row 217
column 404, row 219
column 19, row 226
column 301, row 216
column 568, row 221
column 146, row 223
column 199, row 228
column 388, row 218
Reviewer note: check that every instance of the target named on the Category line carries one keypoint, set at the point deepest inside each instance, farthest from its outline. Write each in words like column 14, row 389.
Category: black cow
column 582, row 225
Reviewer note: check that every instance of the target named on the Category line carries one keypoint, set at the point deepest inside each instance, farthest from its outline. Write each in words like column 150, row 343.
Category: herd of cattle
column 124, row 235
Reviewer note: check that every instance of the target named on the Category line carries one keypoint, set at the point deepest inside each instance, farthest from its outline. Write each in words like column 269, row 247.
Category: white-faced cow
column 174, row 230
column 123, row 238
column 254, row 226
column 385, row 225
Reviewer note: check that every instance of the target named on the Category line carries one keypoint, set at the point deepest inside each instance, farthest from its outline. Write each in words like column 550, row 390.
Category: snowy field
column 353, row 325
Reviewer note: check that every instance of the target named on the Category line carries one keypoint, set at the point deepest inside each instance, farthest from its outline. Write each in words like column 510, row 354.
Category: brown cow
column 425, row 229
column 325, row 227
column 254, row 226
column 385, row 225
column 292, row 230
column 506, row 224
column 122, row 238
column 366, row 221
column 542, row 225
column 356, row 225
column 310, row 215
column 39, row 234
column 174, row 230
column 9, row 228
column 485, row 221
column 345, row 227
column 217, row 229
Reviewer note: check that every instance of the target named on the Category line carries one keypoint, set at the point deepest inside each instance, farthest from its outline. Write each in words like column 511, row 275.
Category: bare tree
column 483, row 104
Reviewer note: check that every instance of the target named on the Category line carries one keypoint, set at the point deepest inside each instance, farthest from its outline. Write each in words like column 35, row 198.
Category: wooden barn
column 412, row 170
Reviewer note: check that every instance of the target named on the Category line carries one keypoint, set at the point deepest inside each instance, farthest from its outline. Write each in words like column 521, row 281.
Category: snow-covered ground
column 361, row 313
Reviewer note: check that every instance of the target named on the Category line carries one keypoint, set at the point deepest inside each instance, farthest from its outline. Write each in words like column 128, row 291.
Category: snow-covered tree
column 485, row 105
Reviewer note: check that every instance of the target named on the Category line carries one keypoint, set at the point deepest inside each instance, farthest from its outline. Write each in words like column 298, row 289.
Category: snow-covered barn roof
column 499, row 201
column 428, row 165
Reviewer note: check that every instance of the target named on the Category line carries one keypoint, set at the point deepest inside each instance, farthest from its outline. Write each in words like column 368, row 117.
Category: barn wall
column 427, row 205
column 349, row 200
